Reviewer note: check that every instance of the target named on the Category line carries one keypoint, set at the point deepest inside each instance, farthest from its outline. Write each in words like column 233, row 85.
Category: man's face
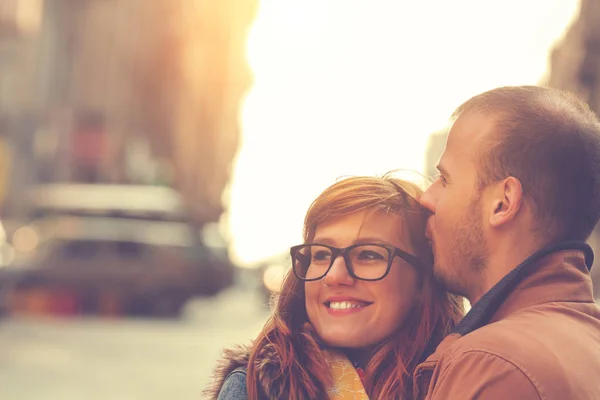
column 456, row 227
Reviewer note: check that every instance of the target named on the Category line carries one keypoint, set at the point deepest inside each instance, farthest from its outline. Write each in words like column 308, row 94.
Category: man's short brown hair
column 550, row 141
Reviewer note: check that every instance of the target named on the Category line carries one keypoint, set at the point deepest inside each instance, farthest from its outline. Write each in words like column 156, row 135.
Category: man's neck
column 500, row 262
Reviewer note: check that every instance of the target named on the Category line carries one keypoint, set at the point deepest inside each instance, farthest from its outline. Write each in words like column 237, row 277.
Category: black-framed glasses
column 366, row 262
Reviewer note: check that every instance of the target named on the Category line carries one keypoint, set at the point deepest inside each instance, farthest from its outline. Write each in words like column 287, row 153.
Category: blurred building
column 85, row 83
column 575, row 60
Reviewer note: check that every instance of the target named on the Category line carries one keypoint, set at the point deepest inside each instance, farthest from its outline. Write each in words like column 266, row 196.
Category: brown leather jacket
column 539, row 340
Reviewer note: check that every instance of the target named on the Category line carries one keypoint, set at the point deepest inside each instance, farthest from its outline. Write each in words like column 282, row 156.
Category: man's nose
column 338, row 273
column 430, row 198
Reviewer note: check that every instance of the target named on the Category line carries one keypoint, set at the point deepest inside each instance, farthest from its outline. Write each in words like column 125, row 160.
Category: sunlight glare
column 356, row 87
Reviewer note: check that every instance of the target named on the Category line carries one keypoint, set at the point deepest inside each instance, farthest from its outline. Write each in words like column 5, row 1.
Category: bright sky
column 346, row 87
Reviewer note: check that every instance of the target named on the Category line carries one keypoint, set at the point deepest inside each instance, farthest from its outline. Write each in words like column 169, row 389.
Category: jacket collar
column 555, row 273
column 559, row 277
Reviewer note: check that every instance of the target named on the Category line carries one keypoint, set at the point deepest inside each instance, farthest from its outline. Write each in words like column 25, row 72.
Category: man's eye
column 441, row 178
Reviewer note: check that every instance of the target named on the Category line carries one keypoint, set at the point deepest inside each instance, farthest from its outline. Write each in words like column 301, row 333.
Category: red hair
column 288, row 331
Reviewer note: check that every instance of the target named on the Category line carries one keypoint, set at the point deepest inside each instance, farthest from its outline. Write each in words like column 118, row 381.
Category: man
column 517, row 196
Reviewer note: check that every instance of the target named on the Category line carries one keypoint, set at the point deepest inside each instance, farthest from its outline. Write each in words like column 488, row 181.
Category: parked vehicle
column 127, row 253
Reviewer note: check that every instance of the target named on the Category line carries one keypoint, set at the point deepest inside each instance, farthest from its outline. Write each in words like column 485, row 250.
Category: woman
column 359, row 309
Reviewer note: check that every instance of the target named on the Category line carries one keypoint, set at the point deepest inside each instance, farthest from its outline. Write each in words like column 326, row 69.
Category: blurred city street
column 92, row 358
column 157, row 159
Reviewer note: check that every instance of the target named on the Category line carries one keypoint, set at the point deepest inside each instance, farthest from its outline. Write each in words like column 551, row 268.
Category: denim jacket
column 234, row 386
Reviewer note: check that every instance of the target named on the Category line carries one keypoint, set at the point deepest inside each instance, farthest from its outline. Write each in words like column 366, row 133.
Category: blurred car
column 127, row 253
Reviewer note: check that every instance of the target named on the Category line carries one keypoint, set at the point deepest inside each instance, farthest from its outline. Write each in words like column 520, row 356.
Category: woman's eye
column 320, row 255
column 369, row 255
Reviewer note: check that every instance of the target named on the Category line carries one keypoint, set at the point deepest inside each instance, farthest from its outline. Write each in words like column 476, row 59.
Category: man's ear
column 507, row 199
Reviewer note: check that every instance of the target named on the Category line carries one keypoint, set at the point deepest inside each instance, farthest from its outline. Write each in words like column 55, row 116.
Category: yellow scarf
column 346, row 383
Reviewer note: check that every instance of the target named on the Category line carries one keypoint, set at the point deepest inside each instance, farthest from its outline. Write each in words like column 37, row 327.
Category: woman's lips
column 344, row 306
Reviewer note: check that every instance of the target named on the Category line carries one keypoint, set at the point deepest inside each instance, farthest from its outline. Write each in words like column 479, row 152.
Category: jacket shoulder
column 496, row 378
column 533, row 335
column 234, row 386
column 542, row 348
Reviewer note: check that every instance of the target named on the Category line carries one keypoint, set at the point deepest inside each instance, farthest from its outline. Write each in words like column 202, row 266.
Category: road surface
column 124, row 359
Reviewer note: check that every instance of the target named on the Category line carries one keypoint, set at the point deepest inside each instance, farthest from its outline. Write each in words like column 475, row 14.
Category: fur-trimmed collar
column 273, row 384
column 272, row 376
column 232, row 359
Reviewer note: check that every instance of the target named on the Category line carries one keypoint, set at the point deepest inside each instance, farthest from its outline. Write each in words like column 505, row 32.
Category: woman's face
column 351, row 313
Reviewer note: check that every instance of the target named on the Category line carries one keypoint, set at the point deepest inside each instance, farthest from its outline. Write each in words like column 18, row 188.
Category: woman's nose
column 338, row 273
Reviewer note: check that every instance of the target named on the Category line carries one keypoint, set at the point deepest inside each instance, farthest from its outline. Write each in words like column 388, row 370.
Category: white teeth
column 343, row 305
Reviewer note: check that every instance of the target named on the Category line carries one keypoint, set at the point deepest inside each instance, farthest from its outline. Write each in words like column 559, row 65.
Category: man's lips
column 429, row 230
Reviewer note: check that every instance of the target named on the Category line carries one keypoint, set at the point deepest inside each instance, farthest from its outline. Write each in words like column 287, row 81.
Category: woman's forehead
column 374, row 224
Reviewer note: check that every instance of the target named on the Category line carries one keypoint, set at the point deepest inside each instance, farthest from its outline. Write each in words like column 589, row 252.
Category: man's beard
column 467, row 251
